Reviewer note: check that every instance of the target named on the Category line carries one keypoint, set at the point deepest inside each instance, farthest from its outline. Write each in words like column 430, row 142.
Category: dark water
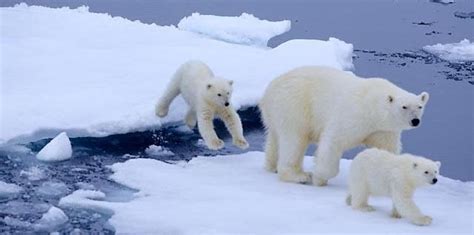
column 387, row 36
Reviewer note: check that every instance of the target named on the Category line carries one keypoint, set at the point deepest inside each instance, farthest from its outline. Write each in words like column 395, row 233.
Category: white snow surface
column 7, row 190
column 234, row 194
column 244, row 29
column 92, row 74
column 454, row 52
column 58, row 149
column 51, row 220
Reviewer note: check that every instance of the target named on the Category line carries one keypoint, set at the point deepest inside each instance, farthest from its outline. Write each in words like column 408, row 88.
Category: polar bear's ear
column 424, row 96
column 209, row 86
column 390, row 99
column 231, row 82
column 438, row 163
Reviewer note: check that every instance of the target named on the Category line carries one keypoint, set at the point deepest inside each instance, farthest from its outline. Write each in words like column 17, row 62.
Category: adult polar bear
column 339, row 111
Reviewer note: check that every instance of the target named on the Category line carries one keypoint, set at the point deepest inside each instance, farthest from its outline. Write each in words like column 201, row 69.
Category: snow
column 157, row 151
column 454, row 52
column 51, row 220
column 58, row 149
column 105, row 76
column 234, row 194
column 245, row 29
column 8, row 190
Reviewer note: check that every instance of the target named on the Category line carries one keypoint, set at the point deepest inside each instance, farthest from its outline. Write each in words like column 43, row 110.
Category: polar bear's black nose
column 435, row 180
column 415, row 122
column 226, row 104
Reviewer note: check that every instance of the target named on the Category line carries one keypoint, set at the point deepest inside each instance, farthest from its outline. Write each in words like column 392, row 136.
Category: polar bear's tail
column 349, row 199
column 161, row 108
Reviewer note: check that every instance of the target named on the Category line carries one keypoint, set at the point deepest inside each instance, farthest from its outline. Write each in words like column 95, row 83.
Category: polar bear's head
column 407, row 110
column 424, row 171
column 218, row 91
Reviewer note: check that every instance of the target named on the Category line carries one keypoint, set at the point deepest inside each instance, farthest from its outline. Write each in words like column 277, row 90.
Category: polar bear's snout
column 415, row 122
column 226, row 104
column 434, row 181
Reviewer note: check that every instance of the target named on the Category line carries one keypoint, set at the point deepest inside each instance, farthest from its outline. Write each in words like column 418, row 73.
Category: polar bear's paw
column 319, row 181
column 395, row 214
column 422, row 220
column 296, row 177
column 241, row 143
column 366, row 208
column 215, row 144
column 161, row 111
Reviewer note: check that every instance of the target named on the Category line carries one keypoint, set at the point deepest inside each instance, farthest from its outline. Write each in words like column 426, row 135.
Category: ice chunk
column 8, row 190
column 58, row 149
column 53, row 189
column 51, row 220
column 454, row 52
column 14, row 222
column 158, row 151
column 244, row 29
column 33, row 173
column 87, row 199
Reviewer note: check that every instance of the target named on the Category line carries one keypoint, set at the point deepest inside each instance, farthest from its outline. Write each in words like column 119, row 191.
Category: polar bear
column 381, row 173
column 207, row 96
column 337, row 110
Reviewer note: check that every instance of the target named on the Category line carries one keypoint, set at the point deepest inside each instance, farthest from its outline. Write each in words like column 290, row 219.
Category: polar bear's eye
column 420, row 107
column 404, row 107
column 219, row 94
column 426, row 172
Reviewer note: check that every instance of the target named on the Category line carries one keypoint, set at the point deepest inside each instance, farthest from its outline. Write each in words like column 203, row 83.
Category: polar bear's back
column 304, row 97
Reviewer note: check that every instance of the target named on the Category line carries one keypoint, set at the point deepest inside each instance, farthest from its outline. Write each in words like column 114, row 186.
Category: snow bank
column 8, row 190
column 51, row 220
column 454, row 52
column 234, row 194
column 245, row 29
column 105, row 76
column 58, row 149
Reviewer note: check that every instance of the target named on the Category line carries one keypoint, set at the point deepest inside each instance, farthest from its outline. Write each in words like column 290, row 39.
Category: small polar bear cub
column 381, row 173
column 207, row 96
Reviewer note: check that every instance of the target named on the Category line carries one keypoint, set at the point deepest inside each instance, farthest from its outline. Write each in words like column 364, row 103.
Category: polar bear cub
column 381, row 173
column 207, row 96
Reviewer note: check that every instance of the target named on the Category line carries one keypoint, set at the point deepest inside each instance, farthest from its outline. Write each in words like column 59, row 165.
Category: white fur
column 381, row 173
column 336, row 109
column 206, row 96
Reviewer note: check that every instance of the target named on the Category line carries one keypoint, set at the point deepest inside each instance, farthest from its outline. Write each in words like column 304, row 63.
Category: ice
column 51, row 220
column 58, row 149
column 52, row 189
column 158, row 151
column 234, row 194
column 454, row 52
column 8, row 190
column 109, row 83
column 33, row 173
column 14, row 222
column 245, row 29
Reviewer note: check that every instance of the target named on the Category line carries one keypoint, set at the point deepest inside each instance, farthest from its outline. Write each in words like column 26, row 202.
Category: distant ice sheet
column 454, row 52
column 244, row 29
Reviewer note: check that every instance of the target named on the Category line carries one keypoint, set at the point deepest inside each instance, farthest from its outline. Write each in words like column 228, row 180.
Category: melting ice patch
column 158, row 151
column 8, row 190
column 454, row 52
column 244, row 29
column 234, row 194
column 51, row 220
column 140, row 60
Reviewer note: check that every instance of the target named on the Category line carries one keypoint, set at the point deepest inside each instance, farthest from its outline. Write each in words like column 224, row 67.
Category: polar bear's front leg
column 387, row 140
column 206, row 129
column 234, row 126
column 326, row 160
column 406, row 207
column 291, row 149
